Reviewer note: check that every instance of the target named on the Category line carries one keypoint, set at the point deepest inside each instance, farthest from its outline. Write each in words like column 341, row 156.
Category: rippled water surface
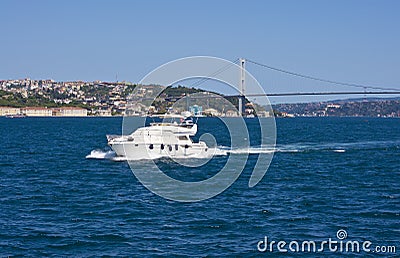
column 327, row 174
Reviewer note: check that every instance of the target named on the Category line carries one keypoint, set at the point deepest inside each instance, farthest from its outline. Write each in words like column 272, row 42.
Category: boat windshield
column 167, row 119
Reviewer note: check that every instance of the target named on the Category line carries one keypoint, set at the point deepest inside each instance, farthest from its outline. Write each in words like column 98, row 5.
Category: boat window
column 170, row 147
column 182, row 138
column 176, row 146
column 151, row 146
column 162, row 146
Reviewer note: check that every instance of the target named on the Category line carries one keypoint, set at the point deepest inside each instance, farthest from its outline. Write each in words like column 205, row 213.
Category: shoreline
column 249, row 118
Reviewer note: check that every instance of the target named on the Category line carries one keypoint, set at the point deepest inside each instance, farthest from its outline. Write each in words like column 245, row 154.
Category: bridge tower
column 242, row 85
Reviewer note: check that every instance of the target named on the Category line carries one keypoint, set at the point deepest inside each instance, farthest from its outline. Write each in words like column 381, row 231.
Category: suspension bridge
column 366, row 89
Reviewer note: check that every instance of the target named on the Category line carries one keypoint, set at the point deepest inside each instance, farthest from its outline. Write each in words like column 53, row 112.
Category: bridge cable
column 222, row 69
column 320, row 79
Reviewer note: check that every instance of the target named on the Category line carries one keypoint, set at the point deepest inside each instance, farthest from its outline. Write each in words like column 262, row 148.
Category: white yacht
column 164, row 139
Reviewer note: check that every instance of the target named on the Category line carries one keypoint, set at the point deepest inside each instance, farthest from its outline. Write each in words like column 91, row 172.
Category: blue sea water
column 327, row 174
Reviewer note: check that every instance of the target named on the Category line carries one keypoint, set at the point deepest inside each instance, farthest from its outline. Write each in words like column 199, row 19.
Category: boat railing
column 184, row 124
column 112, row 136
column 162, row 124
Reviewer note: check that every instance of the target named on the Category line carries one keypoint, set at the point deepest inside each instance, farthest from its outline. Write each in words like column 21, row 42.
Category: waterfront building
column 69, row 111
column 5, row 111
column 196, row 110
column 37, row 111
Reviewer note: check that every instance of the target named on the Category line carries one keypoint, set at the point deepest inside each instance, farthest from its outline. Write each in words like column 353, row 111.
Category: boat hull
column 132, row 151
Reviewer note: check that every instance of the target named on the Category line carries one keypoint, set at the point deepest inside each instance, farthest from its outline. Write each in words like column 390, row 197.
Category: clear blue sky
column 351, row 41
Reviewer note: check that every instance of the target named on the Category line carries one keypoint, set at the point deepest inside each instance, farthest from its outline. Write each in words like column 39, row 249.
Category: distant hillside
column 111, row 98
column 362, row 99
column 373, row 107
